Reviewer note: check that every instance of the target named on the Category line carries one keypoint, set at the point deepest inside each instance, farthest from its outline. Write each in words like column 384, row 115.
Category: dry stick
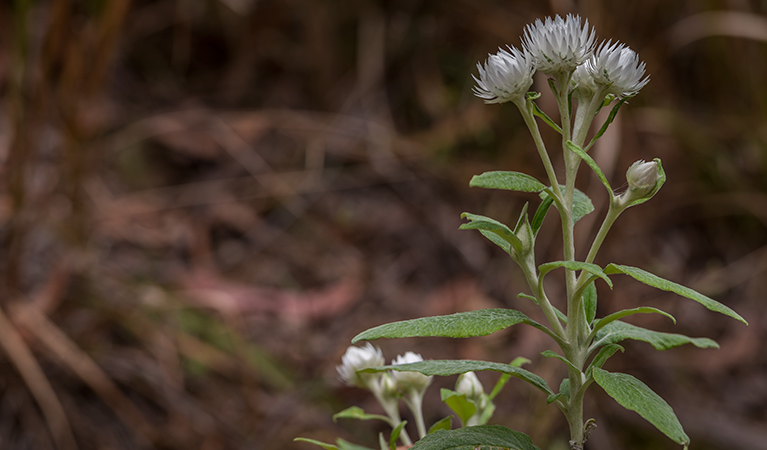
column 81, row 364
column 25, row 362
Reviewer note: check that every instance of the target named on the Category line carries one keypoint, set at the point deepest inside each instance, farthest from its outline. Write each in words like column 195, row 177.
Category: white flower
column 405, row 381
column 617, row 69
column 506, row 76
column 358, row 358
column 469, row 384
column 559, row 45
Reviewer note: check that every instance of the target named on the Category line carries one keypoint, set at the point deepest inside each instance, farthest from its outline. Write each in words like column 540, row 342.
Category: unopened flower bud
column 359, row 358
column 642, row 177
column 405, row 381
column 469, row 384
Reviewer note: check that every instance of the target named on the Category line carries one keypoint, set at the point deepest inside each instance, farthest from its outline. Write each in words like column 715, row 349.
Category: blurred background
column 203, row 201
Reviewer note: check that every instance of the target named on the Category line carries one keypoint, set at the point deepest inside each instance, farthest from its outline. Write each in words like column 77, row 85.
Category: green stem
column 392, row 411
column 530, row 273
column 416, row 407
column 527, row 115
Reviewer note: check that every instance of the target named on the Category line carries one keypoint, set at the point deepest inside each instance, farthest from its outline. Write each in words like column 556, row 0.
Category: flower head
column 506, row 76
column 406, row 381
column 617, row 69
column 559, row 45
column 469, row 384
column 358, row 358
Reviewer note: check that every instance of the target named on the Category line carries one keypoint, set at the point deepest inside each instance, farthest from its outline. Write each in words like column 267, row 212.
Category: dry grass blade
column 22, row 358
column 81, row 364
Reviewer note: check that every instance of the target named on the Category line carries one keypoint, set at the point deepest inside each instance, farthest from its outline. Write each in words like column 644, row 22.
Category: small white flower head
column 642, row 177
column 506, row 76
column 407, row 381
column 469, row 384
column 358, row 358
column 559, row 45
column 617, row 69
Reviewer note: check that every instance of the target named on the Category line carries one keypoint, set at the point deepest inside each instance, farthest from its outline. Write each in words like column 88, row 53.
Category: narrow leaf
column 519, row 361
column 666, row 285
column 564, row 391
column 321, row 444
column 575, row 265
column 604, row 354
column 634, row 395
column 510, row 181
column 483, row 437
column 459, row 325
column 552, row 354
column 355, row 412
column 592, row 164
column 455, row 367
column 610, row 119
column 540, row 214
column 395, row 434
column 590, row 302
column 444, row 424
column 628, row 312
column 618, row 331
column 346, row 445
column 539, row 112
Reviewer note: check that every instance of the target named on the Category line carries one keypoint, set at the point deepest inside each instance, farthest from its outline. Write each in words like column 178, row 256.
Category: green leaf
column 576, row 265
column 592, row 164
column 590, row 302
column 346, row 445
column 312, row 441
column 628, row 312
column 395, row 434
column 634, row 395
column 510, row 181
column 458, row 325
column 355, row 412
column 665, row 285
column 444, row 424
column 483, row 437
column 564, row 391
column 607, row 123
column 552, row 354
column 604, row 354
column 461, row 406
column 540, row 214
column 519, row 361
column 618, row 331
column 539, row 112
column 581, row 203
column 483, row 223
column 454, row 367
column 497, row 240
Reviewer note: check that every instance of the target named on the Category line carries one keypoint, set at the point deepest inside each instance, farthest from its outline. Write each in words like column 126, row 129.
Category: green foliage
column 355, row 412
column 592, row 164
column 665, row 285
column 510, row 181
column 590, row 302
column 582, row 204
column 442, row 424
column 618, row 331
column 483, row 437
column 604, row 354
column 461, row 406
column 634, row 395
column 458, row 325
column 628, row 312
column 455, row 367
column 575, row 265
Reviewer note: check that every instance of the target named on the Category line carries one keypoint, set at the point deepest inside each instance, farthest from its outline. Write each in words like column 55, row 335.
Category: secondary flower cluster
column 561, row 48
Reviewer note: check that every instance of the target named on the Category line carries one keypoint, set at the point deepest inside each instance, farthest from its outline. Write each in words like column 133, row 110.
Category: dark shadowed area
column 203, row 201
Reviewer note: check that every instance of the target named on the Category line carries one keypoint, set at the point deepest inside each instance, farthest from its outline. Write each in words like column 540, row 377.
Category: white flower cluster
column 359, row 358
column 561, row 48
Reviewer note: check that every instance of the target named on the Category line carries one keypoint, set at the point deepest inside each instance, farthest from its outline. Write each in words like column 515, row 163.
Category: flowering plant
column 584, row 78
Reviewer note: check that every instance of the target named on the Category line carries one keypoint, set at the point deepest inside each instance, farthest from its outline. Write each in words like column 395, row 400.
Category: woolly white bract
column 617, row 69
column 559, row 45
column 506, row 76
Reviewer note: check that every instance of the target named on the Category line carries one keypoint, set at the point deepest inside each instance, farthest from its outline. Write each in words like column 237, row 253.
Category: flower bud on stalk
column 642, row 177
column 469, row 385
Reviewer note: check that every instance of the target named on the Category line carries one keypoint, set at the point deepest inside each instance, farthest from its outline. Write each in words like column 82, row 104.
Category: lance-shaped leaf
column 634, row 395
column 540, row 214
column 610, row 119
column 618, row 331
column 590, row 302
column 581, row 203
column 445, row 423
column 483, row 437
column 459, row 325
column 592, row 164
column 487, row 225
column 576, row 265
column 510, row 181
column 628, row 312
column 666, row 285
column 355, row 412
column 604, row 354
column 455, row 367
